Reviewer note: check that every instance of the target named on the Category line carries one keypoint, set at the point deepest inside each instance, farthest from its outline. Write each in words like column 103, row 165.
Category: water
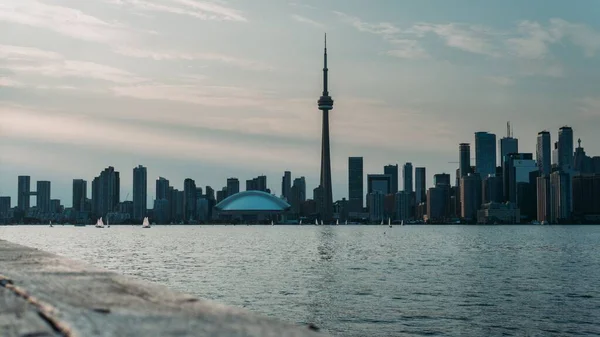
column 364, row 280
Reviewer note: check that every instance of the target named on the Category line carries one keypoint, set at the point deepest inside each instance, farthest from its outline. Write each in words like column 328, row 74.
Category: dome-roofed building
column 251, row 206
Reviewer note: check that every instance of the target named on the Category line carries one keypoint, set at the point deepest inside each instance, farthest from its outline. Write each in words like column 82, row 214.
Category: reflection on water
column 358, row 281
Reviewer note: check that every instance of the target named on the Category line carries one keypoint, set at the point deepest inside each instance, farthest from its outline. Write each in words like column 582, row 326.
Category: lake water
column 364, row 280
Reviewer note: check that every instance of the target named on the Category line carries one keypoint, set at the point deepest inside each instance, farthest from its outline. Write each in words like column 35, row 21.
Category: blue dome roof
column 253, row 201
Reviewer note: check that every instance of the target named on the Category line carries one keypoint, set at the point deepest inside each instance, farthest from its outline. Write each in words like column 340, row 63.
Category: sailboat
column 345, row 223
column 389, row 222
column 321, row 222
column 300, row 223
column 337, row 222
column 402, row 223
column 316, row 222
column 51, row 224
column 272, row 224
column 100, row 223
column 381, row 222
column 146, row 223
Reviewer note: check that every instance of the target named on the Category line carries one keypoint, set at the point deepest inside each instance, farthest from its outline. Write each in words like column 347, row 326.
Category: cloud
column 189, row 56
column 382, row 28
column 213, row 96
column 579, row 34
column 407, row 49
column 295, row 4
column 590, row 106
column 35, row 61
column 474, row 39
column 202, row 10
column 535, row 40
column 501, row 80
column 308, row 21
column 9, row 82
column 63, row 20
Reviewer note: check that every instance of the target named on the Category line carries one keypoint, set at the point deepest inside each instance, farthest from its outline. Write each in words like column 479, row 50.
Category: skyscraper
column 325, row 104
column 441, row 179
column 257, row 184
column 470, row 194
column 407, row 177
column 79, row 194
column 517, row 167
column 464, row 160
column 485, row 153
column 420, row 185
column 508, row 144
column 392, row 171
column 233, row 186
column 298, row 194
column 355, row 184
column 43, row 196
column 565, row 148
column 106, row 192
column 140, row 192
column 286, row 185
column 24, row 191
column 380, row 183
column 162, row 188
column 543, row 152
column 189, row 199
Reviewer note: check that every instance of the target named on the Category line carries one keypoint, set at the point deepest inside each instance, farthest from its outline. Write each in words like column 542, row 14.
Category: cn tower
column 326, row 104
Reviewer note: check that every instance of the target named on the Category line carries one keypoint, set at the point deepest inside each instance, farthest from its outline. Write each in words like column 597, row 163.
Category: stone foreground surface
column 42, row 294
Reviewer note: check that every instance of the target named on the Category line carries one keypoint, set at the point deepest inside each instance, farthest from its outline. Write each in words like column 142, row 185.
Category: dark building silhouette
column 544, row 152
column 379, row 182
column 407, row 177
column 79, row 194
column 140, row 192
column 298, row 195
column 233, row 186
column 586, row 197
column 5, row 206
column 441, row 179
column 464, row 159
column 544, row 205
column 470, row 192
column 420, row 185
column 517, row 167
column 106, row 192
column 325, row 104
column 43, row 196
column 492, row 189
column 355, row 184
column 508, row 144
column 485, row 153
column 582, row 163
column 257, row 184
column 286, row 185
column 565, row 148
column 190, row 199
column 392, row 171
column 24, row 193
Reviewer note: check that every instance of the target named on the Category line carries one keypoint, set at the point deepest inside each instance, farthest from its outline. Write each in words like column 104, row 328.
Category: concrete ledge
column 42, row 294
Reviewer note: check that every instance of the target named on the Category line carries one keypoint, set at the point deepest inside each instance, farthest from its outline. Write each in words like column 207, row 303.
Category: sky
column 216, row 89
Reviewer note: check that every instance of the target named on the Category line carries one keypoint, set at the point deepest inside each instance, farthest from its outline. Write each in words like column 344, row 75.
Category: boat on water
column 100, row 223
column 146, row 223
column 300, row 223
column 402, row 223
column 389, row 222
column 321, row 222
column 544, row 222
column 51, row 224
column 381, row 222
column 272, row 224
column 337, row 222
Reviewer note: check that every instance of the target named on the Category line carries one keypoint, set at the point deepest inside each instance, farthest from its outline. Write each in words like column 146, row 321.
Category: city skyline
column 400, row 74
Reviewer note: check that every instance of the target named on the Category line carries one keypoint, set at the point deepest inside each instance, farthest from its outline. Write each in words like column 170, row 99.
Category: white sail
column 272, row 224
column 346, row 222
column 316, row 222
column 337, row 221
column 321, row 222
column 146, row 223
column 381, row 222
column 100, row 223
column 389, row 221
column 300, row 221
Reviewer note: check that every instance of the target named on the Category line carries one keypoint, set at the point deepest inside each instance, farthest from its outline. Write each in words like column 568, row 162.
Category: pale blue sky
column 213, row 89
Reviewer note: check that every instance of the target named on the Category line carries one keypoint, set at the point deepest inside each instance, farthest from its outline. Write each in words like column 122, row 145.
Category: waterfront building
column 407, row 177
column 517, row 167
column 470, row 193
column 565, row 148
column 464, row 160
column 106, row 192
column 379, row 182
column 24, row 193
column 252, row 206
column 43, row 196
column 286, row 185
column 586, row 197
column 190, row 197
column 543, row 153
column 355, row 184
column 79, row 195
column 560, row 197
column 5, row 208
column 257, row 184
column 501, row 213
column 492, row 189
column 140, row 192
column 403, row 205
column 375, row 204
column 392, row 171
column 233, row 186
column 420, row 185
column 485, row 154
column 437, row 203
column 543, row 198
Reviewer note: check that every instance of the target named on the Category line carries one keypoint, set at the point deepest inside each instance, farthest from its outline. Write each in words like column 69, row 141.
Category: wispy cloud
column 381, row 28
column 308, row 21
column 295, row 4
column 63, row 20
column 407, row 49
column 214, row 96
column 190, row 56
column 471, row 38
column 203, row 10
column 46, row 63
column 501, row 80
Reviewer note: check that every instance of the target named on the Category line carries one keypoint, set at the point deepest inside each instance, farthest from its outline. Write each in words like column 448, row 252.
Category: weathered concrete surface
column 42, row 294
